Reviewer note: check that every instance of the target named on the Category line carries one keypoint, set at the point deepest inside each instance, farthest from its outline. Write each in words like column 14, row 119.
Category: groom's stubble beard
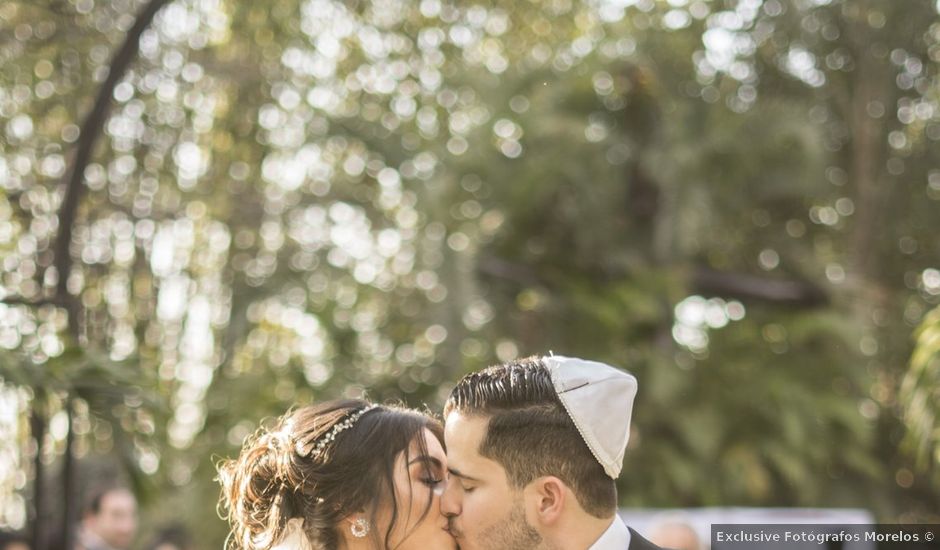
column 512, row 533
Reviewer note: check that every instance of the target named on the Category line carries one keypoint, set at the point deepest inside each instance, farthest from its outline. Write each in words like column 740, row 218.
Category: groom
column 533, row 449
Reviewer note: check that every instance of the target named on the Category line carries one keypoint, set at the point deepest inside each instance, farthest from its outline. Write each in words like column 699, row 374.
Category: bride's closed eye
column 431, row 482
column 431, row 469
column 432, row 478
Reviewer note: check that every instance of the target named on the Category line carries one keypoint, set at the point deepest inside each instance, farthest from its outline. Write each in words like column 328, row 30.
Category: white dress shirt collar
column 616, row 537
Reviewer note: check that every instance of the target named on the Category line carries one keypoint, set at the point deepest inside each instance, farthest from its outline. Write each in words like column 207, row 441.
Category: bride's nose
column 450, row 501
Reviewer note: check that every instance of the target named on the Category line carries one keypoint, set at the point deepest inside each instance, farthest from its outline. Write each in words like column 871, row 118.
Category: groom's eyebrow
column 458, row 473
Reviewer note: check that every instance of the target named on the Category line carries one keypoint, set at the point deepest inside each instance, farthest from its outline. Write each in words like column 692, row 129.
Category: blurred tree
column 311, row 198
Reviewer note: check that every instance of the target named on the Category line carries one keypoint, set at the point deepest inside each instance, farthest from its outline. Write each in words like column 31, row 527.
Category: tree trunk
column 90, row 131
column 68, row 214
column 68, row 480
column 870, row 94
column 37, row 424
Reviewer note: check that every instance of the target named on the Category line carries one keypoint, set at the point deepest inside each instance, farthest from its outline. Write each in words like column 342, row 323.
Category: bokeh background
column 211, row 210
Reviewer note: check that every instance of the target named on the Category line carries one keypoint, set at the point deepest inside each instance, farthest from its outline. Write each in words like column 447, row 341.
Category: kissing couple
column 533, row 449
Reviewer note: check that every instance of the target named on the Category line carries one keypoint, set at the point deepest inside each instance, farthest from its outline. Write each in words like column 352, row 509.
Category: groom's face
column 484, row 512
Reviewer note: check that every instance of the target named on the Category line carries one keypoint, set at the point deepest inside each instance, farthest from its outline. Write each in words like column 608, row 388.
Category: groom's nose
column 450, row 500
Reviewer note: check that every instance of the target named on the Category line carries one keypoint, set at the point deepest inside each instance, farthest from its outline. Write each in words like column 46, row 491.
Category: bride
column 339, row 475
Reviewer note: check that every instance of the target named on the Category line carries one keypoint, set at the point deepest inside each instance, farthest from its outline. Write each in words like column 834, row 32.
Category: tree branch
column 703, row 280
column 74, row 190
column 20, row 301
column 90, row 131
column 744, row 286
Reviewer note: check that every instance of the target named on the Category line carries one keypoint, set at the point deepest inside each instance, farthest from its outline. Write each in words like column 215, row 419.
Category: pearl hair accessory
column 337, row 428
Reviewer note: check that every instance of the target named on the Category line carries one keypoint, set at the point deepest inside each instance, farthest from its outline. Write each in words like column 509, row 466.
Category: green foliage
column 920, row 393
column 297, row 200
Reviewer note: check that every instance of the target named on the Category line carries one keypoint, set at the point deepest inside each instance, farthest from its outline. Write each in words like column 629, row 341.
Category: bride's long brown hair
column 277, row 476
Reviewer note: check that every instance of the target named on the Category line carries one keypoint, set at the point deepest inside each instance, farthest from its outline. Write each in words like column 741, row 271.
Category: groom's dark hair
column 530, row 434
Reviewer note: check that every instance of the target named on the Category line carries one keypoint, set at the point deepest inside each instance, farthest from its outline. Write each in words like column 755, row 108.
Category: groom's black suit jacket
column 639, row 543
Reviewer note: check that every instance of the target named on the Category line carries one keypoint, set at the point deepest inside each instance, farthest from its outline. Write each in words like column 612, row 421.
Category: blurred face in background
column 116, row 520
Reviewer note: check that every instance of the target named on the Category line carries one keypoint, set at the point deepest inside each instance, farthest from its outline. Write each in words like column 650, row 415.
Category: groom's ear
column 548, row 496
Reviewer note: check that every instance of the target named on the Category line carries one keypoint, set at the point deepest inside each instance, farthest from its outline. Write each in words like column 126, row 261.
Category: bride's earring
column 359, row 528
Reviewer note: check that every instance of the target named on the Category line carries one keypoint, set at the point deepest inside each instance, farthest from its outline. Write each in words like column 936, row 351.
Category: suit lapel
column 637, row 542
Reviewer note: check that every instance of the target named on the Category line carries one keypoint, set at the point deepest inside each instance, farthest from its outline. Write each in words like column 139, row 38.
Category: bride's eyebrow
column 427, row 458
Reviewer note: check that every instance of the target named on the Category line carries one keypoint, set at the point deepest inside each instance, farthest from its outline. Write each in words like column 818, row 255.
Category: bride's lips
column 452, row 538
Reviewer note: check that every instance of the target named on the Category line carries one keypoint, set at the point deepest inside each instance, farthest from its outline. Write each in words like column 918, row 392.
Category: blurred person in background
column 12, row 541
column 676, row 534
column 110, row 520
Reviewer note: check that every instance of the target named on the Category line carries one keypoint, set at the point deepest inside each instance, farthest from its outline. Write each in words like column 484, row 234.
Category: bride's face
column 419, row 480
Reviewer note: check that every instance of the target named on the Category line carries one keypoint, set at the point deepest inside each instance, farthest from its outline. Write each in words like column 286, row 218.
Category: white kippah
column 599, row 400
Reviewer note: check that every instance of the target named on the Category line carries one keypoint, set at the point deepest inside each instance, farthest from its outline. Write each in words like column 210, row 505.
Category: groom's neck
column 579, row 531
